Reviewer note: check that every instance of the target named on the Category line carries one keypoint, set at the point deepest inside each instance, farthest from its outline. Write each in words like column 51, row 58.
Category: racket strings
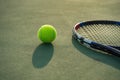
column 116, row 34
column 107, row 34
column 102, row 33
column 95, row 29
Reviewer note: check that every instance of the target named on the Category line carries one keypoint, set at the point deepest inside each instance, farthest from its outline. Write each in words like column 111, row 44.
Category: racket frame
column 89, row 43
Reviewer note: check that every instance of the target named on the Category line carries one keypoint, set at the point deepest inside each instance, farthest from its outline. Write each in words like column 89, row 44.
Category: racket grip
column 104, row 48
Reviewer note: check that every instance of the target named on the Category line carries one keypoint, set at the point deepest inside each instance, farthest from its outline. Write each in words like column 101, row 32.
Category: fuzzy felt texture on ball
column 47, row 33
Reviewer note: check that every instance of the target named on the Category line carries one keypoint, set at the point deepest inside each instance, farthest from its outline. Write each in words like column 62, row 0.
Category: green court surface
column 24, row 57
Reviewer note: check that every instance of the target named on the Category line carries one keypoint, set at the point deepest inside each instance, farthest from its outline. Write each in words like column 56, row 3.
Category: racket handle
column 104, row 48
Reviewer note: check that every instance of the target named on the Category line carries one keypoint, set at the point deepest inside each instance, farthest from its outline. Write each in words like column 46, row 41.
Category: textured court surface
column 24, row 57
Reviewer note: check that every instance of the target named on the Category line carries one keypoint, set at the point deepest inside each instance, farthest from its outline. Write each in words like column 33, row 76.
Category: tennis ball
column 47, row 33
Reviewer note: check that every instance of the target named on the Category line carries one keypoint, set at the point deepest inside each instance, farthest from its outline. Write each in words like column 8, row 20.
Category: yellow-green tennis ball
column 47, row 33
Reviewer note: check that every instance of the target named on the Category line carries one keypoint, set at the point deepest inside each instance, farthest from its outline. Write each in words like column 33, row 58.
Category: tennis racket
column 101, row 35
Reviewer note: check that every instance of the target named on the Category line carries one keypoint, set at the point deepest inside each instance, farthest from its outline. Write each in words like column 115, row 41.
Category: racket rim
column 81, row 24
column 87, row 41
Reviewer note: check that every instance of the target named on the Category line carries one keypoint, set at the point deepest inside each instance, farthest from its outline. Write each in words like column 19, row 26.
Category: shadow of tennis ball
column 42, row 55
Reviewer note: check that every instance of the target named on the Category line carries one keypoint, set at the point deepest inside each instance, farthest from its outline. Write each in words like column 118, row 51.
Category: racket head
column 98, row 31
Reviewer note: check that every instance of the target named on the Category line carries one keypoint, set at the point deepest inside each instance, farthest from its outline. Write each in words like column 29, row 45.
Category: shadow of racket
column 104, row 58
